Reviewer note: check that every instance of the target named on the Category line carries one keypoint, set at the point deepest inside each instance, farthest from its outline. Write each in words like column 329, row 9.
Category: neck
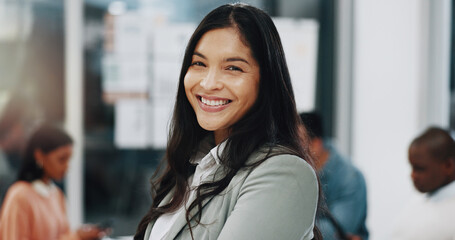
column 45, row 180
column 220, row 135
column 451, row 179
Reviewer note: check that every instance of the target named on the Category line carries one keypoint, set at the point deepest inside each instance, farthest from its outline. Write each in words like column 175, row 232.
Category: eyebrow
column 235, row 59
column 200, row 55
column 231, row 59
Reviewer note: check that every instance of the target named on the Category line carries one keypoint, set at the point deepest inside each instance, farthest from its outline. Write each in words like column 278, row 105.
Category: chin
column 208, row 126
column 59, row 179
column 421, row 189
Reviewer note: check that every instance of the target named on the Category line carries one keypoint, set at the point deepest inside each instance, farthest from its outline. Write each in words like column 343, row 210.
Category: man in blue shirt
column 342, row 183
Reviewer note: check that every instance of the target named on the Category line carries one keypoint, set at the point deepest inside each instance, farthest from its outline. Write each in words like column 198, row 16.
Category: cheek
column 190, row 79
column 251, row 93
column 188, row 85
column 437, row 177
column 255, row 88
column 65, row 166
column 246, row 88
column 419, row 177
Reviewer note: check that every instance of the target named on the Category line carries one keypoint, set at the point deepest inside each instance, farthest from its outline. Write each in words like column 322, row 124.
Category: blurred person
column 430, row 215
column 34, row 207
column 342, row 183
column 234, row 166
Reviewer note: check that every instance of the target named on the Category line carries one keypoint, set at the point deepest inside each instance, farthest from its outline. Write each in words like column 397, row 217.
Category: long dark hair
column 45, row 138
column 272, row 121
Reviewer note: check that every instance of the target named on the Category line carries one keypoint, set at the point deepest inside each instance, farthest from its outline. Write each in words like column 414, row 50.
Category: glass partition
column 31, row 75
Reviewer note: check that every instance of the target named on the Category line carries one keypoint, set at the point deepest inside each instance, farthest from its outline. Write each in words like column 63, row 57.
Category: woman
column 235, row 168
column 34, row 207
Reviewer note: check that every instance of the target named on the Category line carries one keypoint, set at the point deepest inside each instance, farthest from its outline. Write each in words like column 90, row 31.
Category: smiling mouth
column 214, row 103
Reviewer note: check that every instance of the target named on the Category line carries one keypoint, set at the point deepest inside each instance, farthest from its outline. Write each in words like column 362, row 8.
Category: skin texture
column 428, row 174
column 223, row 71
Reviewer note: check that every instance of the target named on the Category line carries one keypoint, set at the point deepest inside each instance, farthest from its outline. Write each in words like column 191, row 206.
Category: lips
column 213, row 104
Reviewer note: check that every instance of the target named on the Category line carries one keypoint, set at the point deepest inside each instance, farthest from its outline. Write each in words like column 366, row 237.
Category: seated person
column 432, row 214
column 34, row 207
column 342, row 183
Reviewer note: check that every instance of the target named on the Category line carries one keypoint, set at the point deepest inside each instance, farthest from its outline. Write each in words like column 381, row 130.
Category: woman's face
column 55, row 163
column 222, row 82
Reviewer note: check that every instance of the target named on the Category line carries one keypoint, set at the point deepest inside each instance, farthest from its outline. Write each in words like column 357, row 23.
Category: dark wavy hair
column 272, row 121
column 46, row 138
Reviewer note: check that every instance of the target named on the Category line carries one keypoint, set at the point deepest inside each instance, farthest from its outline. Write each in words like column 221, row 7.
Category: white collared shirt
column 42, row 188
column 428, row 216
column 206, row 167
column 443, row 193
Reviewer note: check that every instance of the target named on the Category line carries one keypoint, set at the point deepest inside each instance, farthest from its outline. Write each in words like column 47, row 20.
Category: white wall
column 391, row 73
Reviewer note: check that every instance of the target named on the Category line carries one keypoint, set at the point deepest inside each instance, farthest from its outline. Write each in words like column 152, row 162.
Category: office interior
column 379, row 72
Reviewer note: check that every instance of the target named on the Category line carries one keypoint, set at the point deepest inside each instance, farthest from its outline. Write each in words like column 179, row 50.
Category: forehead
column 66, row 149
column 223, row 40
column 420, row 154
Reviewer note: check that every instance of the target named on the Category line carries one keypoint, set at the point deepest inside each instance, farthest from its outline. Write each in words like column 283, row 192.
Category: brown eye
column 234, row 68
column 197, row 63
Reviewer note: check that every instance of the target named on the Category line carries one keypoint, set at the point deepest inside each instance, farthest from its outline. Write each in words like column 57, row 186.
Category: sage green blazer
column 276, row 200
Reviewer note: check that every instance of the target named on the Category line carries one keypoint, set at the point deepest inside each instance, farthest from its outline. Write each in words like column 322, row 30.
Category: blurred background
column 379, row 72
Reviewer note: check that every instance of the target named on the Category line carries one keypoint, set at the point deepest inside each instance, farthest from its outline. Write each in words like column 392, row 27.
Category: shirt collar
column 216, row 151
column 42, row 188
column 443, row 193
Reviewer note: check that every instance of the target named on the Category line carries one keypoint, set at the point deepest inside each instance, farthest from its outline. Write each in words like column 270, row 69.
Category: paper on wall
column 300, row 42
column 131, row 123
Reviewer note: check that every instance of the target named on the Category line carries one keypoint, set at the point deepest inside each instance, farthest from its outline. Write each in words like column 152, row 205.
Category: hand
column 91, row 232
column 353, row 237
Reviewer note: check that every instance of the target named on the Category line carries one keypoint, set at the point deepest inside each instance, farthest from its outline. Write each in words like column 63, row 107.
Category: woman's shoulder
column 276, row 173
column 276, row 156
column 288, row 161
column 278, row 161
column 20, row 188
column 19, row 191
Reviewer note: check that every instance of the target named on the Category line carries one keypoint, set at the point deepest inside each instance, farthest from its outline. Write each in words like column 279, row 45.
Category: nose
column 413, row 176
column 65, row 167
column 212, row 80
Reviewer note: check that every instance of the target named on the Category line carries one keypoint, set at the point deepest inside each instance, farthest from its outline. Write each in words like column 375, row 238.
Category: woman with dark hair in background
column 34, row 207
column 234, row 166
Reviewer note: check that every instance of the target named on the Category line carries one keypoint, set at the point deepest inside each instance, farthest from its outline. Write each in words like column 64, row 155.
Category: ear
column 449, row 166
column 39, row 157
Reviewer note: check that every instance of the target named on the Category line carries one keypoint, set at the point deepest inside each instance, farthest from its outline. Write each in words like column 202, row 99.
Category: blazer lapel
column 180, row 224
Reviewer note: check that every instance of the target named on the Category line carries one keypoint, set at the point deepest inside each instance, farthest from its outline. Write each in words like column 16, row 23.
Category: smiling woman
column 235, row 168
column 222, row 83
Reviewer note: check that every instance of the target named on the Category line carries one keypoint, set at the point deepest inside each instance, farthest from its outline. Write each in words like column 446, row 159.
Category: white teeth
column 214, row 102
